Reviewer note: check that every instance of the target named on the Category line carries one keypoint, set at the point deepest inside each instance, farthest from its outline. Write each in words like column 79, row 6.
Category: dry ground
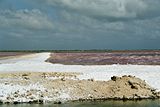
column 66, row 86
column 12, row 54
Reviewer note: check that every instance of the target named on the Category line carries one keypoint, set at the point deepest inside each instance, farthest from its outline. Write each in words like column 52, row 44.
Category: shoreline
column 40, row 88
column 16, row 56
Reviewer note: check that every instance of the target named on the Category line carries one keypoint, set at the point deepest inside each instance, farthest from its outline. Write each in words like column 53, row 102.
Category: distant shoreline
column 90, row 50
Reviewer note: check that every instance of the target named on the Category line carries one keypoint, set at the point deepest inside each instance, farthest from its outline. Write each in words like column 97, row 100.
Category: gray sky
column 79, row 24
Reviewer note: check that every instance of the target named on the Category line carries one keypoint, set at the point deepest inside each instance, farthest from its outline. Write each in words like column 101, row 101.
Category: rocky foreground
column 61, row 87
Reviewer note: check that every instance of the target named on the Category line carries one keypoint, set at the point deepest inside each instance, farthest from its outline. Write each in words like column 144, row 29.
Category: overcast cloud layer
column 79, row 24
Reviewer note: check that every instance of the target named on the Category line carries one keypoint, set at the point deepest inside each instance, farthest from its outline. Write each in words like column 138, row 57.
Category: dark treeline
column 74, row 51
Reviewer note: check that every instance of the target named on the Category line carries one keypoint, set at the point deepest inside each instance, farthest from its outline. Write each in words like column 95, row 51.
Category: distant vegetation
column 76, row 51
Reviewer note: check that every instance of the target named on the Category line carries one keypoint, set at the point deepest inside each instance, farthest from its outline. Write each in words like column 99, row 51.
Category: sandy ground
column 16, row 58
column 7, row 55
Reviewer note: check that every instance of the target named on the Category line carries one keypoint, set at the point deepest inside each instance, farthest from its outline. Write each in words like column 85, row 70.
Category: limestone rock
column 114, row 78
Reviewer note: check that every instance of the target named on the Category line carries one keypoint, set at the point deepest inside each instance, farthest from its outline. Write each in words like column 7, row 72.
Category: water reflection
column 143, row 103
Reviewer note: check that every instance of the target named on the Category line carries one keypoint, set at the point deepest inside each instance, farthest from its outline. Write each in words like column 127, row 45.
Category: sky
column 79, row 24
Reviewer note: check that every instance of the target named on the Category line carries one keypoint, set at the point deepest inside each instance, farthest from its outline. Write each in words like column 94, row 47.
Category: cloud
column 81, row 24
column 111, row 10
column 27, row 19
column 103, row 8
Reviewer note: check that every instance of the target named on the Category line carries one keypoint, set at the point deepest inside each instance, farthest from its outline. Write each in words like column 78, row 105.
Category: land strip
column 106, row 58
column 42, row 87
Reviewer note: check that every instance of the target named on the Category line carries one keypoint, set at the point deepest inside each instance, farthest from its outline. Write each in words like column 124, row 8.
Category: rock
column 114, row 78
column 16, row 95
column 63, row 79
column 26, row 78
column 40, row 101
column 24, row 75
column 28, row 94
column 36, row 101
column 92, row 79
column 16, row 92
column 124, row 97
column 16, row 102
column 158, row 94
column 95, row 90
column 124, row 76
column 6, row 83
column 133, row 85
column 44, row 75
column 8, row 98
column 31, row 97
column 57, row 102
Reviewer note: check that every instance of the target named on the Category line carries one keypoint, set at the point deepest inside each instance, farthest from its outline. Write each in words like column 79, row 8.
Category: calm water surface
column 144, row 103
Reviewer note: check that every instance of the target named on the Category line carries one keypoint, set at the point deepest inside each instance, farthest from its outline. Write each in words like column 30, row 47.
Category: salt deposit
column 36, row 63
column 8, row 91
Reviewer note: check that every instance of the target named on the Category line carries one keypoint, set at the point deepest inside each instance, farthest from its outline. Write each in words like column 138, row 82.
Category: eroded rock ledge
column 61, row 87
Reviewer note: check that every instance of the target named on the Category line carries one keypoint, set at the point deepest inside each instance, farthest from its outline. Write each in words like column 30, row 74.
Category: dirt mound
column 118, row 88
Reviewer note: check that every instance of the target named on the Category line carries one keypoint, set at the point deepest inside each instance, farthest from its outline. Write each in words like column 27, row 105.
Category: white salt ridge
column 64, row 95
column 36, row 63
column 62, row 77
column 9, row 90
